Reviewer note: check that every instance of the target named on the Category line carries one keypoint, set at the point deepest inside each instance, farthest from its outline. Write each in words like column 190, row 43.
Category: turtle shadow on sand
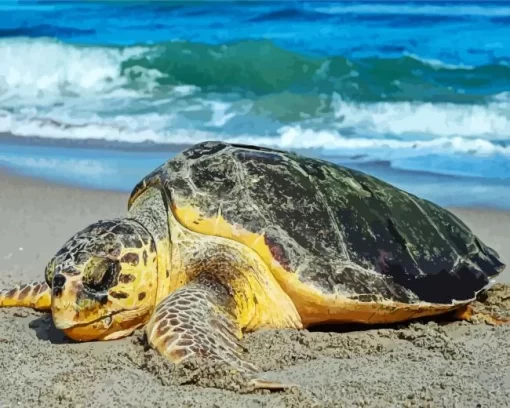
column 340, row 328
column 45, row 330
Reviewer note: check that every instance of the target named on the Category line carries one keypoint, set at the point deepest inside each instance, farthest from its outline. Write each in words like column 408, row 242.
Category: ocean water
column 97, row 93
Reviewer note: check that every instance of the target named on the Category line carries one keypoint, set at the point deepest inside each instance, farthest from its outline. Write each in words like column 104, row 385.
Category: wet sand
column 423, row 364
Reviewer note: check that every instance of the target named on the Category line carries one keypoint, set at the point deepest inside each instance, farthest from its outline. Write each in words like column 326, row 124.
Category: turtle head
column 104, row 281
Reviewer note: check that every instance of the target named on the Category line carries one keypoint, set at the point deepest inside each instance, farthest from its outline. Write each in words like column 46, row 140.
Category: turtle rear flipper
column 195, row 320
column 35, row 295
column 470, row 314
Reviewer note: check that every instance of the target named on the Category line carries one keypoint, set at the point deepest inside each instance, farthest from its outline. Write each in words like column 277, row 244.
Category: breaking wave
column 253, row 92
column 45, row 67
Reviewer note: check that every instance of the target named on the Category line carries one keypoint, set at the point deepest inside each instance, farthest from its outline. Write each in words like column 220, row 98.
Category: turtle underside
column 339, row 231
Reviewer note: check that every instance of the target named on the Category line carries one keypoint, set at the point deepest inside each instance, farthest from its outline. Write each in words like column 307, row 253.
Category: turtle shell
column 338, row 230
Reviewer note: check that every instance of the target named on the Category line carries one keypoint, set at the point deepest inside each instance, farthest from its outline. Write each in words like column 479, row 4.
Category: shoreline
column 149, row 146
column 118, row 166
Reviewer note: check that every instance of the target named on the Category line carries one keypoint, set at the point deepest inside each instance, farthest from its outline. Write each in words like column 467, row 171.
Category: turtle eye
column 101, row 275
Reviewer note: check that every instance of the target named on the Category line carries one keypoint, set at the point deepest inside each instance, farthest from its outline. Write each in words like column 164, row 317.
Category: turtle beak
column 89, row 331
column 79, row 315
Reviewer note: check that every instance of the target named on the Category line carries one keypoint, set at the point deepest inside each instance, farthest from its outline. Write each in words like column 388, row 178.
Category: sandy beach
column 423, row 364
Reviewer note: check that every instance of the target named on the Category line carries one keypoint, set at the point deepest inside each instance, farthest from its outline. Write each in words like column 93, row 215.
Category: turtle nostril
column 59, row 281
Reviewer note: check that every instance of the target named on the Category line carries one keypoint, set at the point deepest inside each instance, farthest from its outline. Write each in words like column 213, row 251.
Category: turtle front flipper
column 196, row 320
column 36, row 295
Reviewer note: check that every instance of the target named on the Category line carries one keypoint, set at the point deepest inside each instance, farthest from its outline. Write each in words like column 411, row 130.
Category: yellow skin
column 194, row 283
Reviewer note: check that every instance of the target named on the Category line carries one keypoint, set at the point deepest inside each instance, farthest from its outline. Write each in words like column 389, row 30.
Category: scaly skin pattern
column 35, row 295
column 181, row 326
column 197, row 320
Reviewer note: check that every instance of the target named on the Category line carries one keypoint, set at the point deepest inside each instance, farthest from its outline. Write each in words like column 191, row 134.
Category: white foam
column 296, row 137
column 45, row 67
column 416, row 129
column 122, row 129
column 131, row 129
column 491, row 121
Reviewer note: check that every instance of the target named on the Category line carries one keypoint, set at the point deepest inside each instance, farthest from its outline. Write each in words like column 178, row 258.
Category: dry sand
column 424, row 364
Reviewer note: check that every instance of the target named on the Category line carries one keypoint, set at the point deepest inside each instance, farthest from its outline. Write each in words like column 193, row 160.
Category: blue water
column 422, row 87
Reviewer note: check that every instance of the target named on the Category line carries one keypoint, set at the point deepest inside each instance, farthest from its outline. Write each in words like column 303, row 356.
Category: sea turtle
column 227, row 238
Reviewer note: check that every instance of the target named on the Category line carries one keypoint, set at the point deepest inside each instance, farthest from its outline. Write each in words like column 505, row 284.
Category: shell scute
column 338, row 230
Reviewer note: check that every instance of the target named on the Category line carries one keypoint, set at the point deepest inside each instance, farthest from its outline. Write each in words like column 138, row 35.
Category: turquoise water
column 422, row 87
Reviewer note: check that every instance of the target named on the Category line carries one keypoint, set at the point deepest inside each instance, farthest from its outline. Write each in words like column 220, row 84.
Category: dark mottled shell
column 338, row 229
